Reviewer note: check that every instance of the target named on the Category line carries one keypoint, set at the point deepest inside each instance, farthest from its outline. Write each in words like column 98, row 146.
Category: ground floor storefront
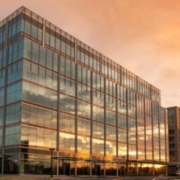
column 63, row 163
column 82, row 167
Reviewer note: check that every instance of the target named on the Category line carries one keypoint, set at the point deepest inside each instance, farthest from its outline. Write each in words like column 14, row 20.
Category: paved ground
column 26, row 178
column 41, row 177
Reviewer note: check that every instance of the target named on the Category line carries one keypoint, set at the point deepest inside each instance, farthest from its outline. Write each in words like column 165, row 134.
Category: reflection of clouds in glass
column 111, row 133
column 84, row 109
column 98, row 98
column 110, row 117
column 141, row 153
column 131, row 97
column 83, row 126
column 98, row 146
column 83, row 143
column 131, row 111
column 156, row 154
column 38, row 136
column 67, row 141
column 122, row 107
column 156, row 131
column 67, row 86
column 122, row 149
column 163, row 155
column 39, row 95
column 121, row 93
column 83, row 139
column 98, row 113
column 67, row 104
column 110, row 87
column 67, row 123
column 149, row 130
column 122, row 135
column 132, row 137
column 140, row 128
column 52, row 95
column 132, row 124
column 122, row 121
column 111, row 148
column 141, row 137
column 98, row 130
column 98, row 82
column 84, row 92
column 132, row 151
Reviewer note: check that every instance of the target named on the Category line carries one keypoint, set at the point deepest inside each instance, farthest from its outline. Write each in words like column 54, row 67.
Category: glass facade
column 56, row 92
column 174, row 135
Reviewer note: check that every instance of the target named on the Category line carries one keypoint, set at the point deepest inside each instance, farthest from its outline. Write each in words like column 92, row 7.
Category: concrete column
column 57, row 164
column 166, row 170
column 2, row 168
column 117, row 171
column 75, row 173
column 91, row 166
column 137, row 170
column 153, row 169
column 104, row 169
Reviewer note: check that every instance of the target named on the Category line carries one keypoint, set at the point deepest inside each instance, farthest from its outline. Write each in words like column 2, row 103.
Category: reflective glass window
column 13, row 113
column 122, row 121
column 67, row 86
column 98, row 113
column 111, row 148
column 2, row 97
column 67, row 104
column 1, row 116
column 83, row 126
column 84, row 109
column 110, row 133
column 98, row 98
column 67, row 123
column 84, row 92
column 67, row 141
column 98, row 146
column 98, row 130
column 83, row 144
column 122, row 135
column 111, row 117
column 12, row 135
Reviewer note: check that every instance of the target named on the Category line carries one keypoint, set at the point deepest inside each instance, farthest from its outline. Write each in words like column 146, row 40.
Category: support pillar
column 75, row 169
column 104, row 170
column 117, row 171
column 91, row 166
column 57, row 164
column 153, row 169
column 2, row 165
column 137, row 170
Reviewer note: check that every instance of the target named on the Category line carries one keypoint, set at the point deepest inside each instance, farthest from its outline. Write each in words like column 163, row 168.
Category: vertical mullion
column 5, row 96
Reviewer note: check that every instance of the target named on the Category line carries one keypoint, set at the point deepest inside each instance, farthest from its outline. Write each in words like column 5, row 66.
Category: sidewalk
column 27, row 177
column 47, row 177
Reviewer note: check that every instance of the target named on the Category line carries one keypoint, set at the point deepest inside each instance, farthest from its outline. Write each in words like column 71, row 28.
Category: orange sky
column 141, row 35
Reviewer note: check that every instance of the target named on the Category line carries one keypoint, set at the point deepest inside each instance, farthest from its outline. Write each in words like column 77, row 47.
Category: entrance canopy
column 67, row 158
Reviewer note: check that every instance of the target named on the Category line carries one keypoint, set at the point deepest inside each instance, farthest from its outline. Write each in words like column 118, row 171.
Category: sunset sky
column 141, row 35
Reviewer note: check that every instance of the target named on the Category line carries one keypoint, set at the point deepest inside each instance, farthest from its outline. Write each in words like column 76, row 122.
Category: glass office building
column 174, row 142
column 57, row 92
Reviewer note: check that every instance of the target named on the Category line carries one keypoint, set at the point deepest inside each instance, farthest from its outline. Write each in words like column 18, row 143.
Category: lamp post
column 51, row 149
